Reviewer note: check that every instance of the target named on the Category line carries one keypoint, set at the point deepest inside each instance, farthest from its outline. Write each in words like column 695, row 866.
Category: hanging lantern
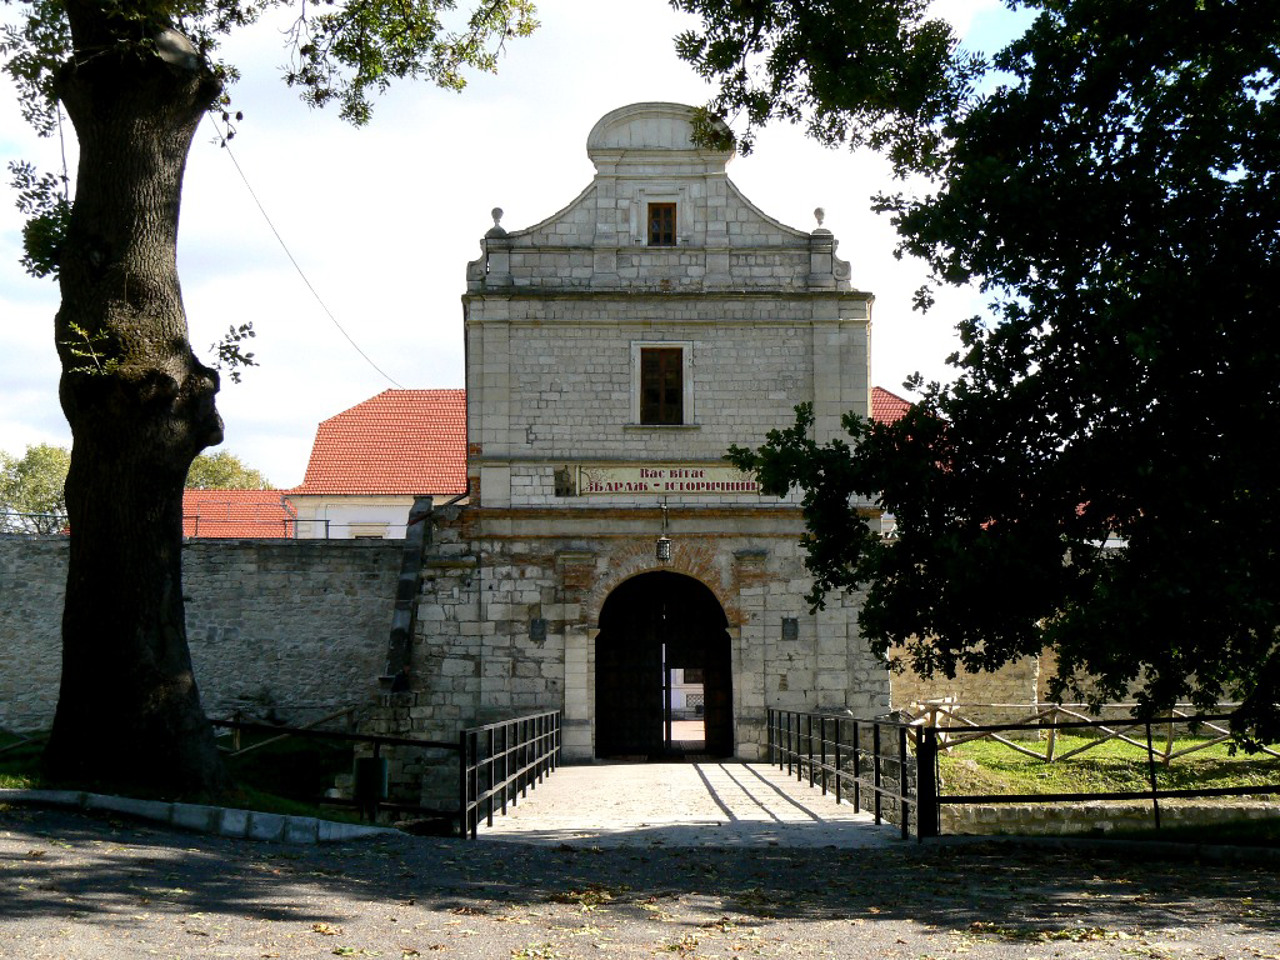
column 663, row 547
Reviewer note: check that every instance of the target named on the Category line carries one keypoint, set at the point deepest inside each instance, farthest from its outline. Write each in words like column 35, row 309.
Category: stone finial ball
column 496, row 232
column 819, row 214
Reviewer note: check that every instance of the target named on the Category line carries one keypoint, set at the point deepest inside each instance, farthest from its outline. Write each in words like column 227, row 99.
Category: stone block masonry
column 294, row 628
column 33, row 577
column 478, row 658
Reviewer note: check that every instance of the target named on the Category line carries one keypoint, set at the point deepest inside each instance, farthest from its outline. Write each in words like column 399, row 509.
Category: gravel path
column 76, row 886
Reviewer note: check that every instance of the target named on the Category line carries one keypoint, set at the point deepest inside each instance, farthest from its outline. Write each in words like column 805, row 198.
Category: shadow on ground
column 59, row 868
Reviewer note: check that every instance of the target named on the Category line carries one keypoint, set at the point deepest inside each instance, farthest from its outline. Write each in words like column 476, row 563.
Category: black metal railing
column 369, row 797
column 501, row 762
column 865, row 762
column 498, row 764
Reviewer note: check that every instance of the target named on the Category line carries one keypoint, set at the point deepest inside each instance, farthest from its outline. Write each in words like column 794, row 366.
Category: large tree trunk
column 140, row 407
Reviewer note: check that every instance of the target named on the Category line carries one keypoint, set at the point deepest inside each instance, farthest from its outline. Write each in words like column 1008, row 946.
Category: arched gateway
column 656, row 629
column 615, row 351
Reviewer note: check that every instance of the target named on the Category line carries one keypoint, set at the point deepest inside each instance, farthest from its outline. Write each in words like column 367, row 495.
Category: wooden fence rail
column 954, row 728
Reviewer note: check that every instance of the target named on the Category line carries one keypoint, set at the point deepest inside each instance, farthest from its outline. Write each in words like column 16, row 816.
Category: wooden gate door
column 630, row 686
column 717, row 692
column 649, row 626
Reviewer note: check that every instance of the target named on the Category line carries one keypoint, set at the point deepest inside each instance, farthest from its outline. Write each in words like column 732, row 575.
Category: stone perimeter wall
column 297, row 628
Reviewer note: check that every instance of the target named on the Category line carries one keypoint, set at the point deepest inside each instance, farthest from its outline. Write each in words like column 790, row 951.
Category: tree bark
column 140, row 406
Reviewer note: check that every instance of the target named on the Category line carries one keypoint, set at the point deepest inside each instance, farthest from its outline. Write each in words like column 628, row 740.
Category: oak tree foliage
column 31, row 490
column 135, row 78
column 224, row 471
column 1099, row 478
column 31, row 486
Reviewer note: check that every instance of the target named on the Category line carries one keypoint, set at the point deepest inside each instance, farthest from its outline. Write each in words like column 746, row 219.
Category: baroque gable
column 710, row 238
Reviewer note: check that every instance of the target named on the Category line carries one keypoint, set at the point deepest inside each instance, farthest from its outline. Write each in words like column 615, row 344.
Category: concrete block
column 235, row 823
column 266, row 826
column 57, row 798
column 194, row 816
column 147, row 809
column 300, row 829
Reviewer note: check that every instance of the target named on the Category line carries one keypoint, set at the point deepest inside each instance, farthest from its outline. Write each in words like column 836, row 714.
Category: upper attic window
column 662, row 224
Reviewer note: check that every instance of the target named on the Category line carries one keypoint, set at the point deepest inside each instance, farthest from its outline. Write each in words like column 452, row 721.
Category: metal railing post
column 877, row 774
column 808, row 744
column 465, row 826
column 790, row 750
column 522, row 780
column 928, row 811
column 904, row 807
column 857, row 767
column 508, row 795
column 836, row 760
column 489, row 765
column 822, row 746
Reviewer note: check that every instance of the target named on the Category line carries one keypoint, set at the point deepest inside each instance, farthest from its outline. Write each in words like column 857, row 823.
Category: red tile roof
column 399, row 442
column 887, row 407
column 238, row 514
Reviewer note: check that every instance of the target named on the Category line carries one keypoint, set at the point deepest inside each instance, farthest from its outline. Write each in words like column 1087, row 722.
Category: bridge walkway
column 707, row 803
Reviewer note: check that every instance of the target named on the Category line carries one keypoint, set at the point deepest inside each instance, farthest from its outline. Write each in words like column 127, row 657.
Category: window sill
column 662, row 426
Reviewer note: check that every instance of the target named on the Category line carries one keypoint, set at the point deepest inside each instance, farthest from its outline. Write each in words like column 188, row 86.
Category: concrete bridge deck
column 701, row 804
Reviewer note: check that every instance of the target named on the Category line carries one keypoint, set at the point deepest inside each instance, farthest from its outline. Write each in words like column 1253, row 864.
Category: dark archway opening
column 663, row 665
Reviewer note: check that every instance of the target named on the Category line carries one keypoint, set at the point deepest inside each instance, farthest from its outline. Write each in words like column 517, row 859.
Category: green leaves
column 32, row 50
column 228, row 353
column 868, row 72
column 91, row 354
column 31, row 490
column 361, row 46
column 43, row 199
column 1098, row 478
column 224, row 471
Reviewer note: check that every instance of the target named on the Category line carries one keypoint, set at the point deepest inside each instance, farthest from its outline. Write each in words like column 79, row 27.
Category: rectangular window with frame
column 662, row 224
column 661, row 385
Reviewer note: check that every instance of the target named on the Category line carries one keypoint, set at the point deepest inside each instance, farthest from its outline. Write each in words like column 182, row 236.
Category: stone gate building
column 614, row 352
column 603, row 559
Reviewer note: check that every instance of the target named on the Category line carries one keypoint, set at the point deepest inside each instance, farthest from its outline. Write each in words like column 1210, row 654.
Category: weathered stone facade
column 33, row 581
column 573, row 479
column 291, row 626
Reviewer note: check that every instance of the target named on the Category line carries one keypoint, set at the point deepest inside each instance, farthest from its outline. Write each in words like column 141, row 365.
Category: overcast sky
column 384, row 219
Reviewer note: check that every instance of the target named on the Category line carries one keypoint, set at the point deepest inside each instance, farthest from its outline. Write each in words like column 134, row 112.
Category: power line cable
column 283, row 246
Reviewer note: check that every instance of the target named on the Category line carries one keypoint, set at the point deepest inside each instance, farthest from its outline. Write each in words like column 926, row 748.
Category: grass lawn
column 19, row 766
column 988, row 767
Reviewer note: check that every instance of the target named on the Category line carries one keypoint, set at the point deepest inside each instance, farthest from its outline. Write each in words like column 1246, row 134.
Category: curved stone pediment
column 651, row 132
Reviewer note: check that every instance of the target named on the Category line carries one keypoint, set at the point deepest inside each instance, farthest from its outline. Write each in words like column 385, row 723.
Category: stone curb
column 223, row 821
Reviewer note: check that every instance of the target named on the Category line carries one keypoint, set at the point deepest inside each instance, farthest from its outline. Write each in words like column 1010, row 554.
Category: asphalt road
column 72, row 885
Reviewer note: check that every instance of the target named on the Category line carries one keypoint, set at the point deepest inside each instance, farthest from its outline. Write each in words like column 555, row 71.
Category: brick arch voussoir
column 636, row 557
